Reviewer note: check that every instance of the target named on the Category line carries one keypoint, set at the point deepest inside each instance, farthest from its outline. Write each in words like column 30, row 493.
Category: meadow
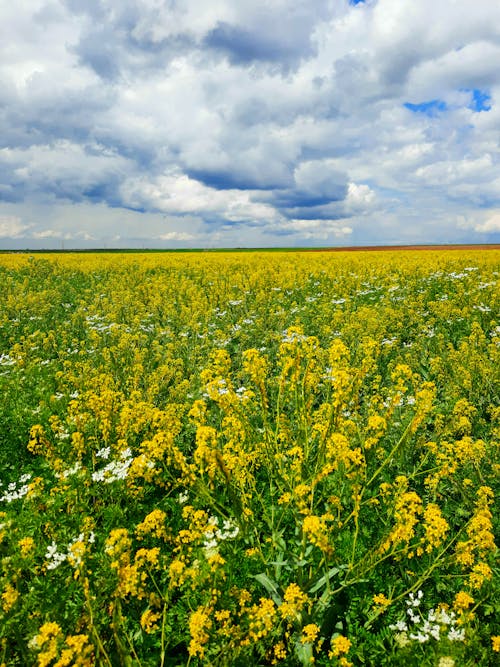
column 250, row 459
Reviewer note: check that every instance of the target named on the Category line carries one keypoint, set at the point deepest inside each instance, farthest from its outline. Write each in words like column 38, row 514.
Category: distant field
column 483, row 246
column 250, row 458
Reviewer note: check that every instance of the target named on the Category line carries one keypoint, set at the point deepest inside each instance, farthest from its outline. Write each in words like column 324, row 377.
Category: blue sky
column 189, row 123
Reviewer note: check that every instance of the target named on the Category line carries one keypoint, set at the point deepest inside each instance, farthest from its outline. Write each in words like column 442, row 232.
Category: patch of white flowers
column 16, row 490
column 216, row 534
column 70, row 471
column 6, row 360
column 54, row 557
column 292, row 337
column 114, row 470
column 438, row 624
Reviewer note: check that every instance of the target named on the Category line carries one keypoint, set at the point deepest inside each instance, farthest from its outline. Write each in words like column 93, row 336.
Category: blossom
column 309, row 633
column 339, row 645
column 54, row 557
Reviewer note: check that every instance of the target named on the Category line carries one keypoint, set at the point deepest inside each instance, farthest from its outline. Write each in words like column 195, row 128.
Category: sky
column 249, row 123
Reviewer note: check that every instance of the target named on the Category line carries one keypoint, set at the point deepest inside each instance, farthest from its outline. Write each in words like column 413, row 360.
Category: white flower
column 98, row 476
column 445, row 618
column 115, row 470
column 6, row 360
column 15, row 492
column 230, row 530
column 183, row 497
column 54, row 557
column 103, row 453
column 70, row 471
column 400, row 626
column 414, row 600
column 455, row 635
column 413, row 617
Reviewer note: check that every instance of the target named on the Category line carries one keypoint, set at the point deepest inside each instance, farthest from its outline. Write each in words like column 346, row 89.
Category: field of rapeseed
column 249, row 459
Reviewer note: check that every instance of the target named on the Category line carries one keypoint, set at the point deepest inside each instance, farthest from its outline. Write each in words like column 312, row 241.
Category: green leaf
column 304, row 653
column 270, row 586
column 326, row 577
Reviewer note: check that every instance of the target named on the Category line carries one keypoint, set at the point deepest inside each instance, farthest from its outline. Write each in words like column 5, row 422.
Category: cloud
column 176, row 236
column 241, row 123
column 490, row 225
column 11, row 226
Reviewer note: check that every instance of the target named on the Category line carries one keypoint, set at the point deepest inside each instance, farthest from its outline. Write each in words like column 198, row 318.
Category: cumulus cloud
column 11, row 226
column 203, row 123
column 490, row 225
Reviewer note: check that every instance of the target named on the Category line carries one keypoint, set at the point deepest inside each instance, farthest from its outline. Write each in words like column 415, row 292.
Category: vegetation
column 249, row 459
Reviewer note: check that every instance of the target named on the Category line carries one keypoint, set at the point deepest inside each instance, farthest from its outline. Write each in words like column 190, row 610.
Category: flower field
column 250, row 458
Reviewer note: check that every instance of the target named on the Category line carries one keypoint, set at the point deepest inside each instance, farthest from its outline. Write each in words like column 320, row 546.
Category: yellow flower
column 279, row 652
column 480, row 573
column 117, row 546
column 407, row 508
column 77, row 654
column 148, row 557
column 154, row 524
column 294, row 601
column 176, row 572
column 339, row 645
column 199, row 626
column 262, row 617
column 381, row 602
column 314, row 528
column 9, row 597
column 463, row 600
column 27, row 546
column 435, row 526
column 496, row 643
column 149, row 620
column 46, row 632
column 309, row 633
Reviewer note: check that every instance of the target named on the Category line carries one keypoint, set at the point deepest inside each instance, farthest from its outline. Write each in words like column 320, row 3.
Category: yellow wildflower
column 117, row 546
column 153, row 524
column 294, row 601
column 309, row 633
column 199, row 626
column 435, row 526
column 480, row 573
column 462, row 600
column 339, row 645
column 149, row 620
column 76, row 652
column 26, row 546
column 279, row 653
column 9, row 597
column 262, row 618
column 381, row 602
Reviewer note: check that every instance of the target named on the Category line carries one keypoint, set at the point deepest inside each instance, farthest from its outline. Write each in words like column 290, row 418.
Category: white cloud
column 176, row 236
column 11, row 226
column 492, row 224
column 249, row 120
column 176, row 193
column 360, row 197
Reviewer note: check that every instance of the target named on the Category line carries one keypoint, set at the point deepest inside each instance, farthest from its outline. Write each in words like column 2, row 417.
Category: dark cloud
column 245, row 47
column 230, row 180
